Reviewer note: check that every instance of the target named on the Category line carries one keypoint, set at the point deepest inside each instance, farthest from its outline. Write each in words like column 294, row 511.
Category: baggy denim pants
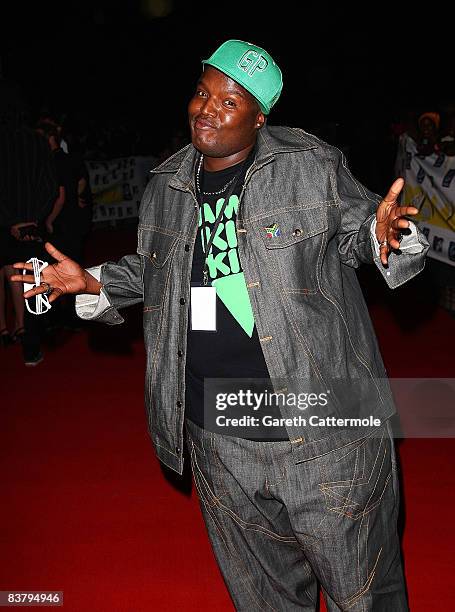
column 278, row 528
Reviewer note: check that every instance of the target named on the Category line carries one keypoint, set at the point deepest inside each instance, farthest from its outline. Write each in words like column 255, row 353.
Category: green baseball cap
column 252, row 68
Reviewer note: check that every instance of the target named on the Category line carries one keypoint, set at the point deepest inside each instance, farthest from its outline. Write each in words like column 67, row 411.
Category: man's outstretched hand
column 390, row 220
column 65, row 276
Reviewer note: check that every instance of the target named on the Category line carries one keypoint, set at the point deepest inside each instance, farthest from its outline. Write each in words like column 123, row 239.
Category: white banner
column 430, row 187
column 117, row 186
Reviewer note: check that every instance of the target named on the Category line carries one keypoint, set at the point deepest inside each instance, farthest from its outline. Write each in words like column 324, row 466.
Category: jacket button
column 187, row 247
column 179, row 353
column 297, row 232
column 179, row 404
column 177, row 449
column 182, row 301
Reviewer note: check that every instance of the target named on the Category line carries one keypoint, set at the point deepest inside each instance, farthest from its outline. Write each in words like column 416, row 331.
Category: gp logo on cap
column 252, row 61
column 252, row 67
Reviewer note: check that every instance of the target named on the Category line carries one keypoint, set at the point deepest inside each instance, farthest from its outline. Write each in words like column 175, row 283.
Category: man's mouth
column 203, row 124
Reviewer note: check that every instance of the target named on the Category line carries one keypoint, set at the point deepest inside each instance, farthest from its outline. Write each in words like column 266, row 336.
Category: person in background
column 5, row 337
column 50, row 119
column 69, row 221
column 27, row 190
column 428, row 134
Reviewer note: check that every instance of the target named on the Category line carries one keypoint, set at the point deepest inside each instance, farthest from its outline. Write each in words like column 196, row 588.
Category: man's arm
column 101, row 291
column 56, row 209
column 356, row 236
column 120, row 285
column 116, row 286
column 46, row 188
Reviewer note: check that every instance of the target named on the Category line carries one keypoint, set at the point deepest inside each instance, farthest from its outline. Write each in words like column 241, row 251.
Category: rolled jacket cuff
column 90, row 306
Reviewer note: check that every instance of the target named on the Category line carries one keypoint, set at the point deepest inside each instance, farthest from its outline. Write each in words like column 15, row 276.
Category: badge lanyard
column 203, row 299
column 207, row 246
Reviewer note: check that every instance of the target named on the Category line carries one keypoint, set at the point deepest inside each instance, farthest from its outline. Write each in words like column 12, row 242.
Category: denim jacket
column 309, row 310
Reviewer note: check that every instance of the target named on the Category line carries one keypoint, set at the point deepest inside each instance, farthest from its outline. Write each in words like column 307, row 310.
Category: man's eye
column 200, row 93
column 229, row 103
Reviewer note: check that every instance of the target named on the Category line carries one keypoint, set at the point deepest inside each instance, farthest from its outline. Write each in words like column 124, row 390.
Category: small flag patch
column 273, row 231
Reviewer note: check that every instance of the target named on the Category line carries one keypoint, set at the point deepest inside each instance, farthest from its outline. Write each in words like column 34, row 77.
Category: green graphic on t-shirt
column 224, row 267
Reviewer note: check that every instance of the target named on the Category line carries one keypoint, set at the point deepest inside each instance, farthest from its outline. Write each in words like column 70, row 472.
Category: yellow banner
column 430, row 187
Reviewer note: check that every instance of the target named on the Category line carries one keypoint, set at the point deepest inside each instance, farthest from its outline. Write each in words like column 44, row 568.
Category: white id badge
column 203, row 308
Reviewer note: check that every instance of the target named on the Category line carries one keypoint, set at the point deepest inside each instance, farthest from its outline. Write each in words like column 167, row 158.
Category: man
column 27, row 189
column 272, row 219
column 70, row 218
column 47, row 118
column 428, row 135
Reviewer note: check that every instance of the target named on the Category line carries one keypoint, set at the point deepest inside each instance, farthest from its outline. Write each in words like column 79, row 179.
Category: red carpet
column 86, row 508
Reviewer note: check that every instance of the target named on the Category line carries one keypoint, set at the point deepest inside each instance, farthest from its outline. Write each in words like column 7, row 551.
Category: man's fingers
column 56, row 293
column 402, row 211
column 23, row 278
column 400, row 223
column 384, row 254
column 55, row 253
column 34, row 291
column 394, row 191
column 394, row 243
column 23, row 266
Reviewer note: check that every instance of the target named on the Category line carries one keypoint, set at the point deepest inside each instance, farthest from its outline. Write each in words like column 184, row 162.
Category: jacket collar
column 272, row 141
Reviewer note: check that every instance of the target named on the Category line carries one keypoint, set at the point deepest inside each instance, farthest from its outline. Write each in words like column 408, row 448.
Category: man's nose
column 210, row 107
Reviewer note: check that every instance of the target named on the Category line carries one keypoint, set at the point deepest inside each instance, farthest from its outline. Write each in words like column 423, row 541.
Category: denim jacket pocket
column 291, row 227
column 156, row 248
column 155, row 244
column 293, row 241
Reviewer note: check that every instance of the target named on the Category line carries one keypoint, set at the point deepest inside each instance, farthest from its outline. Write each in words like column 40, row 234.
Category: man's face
column 223, row 116
column 427, row 127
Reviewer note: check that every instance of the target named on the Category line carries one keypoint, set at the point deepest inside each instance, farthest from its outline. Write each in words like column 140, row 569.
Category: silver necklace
column 220, row 191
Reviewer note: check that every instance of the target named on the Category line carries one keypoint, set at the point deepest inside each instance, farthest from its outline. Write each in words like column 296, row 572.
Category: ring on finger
column 49, row 289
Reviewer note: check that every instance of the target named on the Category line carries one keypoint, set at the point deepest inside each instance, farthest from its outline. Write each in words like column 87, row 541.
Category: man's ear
column 260, row 120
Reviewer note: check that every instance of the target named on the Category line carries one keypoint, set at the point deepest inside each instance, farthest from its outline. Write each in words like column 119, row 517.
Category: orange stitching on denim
column 154, row 353
column 161, row 230
column 327, row 489
column 366, row 546
column 210, row 493
column 243, row 524
column 367, row 510
column 343, row 483
column 302, row 291
column 335, row 303
column 217, row 461
column 284, row 474
column 352, row 600
column 233, row 553
column 279, row 211
column 294, row 325
column 348, row 496
column 265, row 339
column 255, row 527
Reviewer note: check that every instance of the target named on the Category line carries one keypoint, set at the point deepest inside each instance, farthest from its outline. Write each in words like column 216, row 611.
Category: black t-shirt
column 233, row 351
column 70, row 169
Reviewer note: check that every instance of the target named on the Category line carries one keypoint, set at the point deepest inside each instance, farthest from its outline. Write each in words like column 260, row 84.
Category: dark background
column 348, row 73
